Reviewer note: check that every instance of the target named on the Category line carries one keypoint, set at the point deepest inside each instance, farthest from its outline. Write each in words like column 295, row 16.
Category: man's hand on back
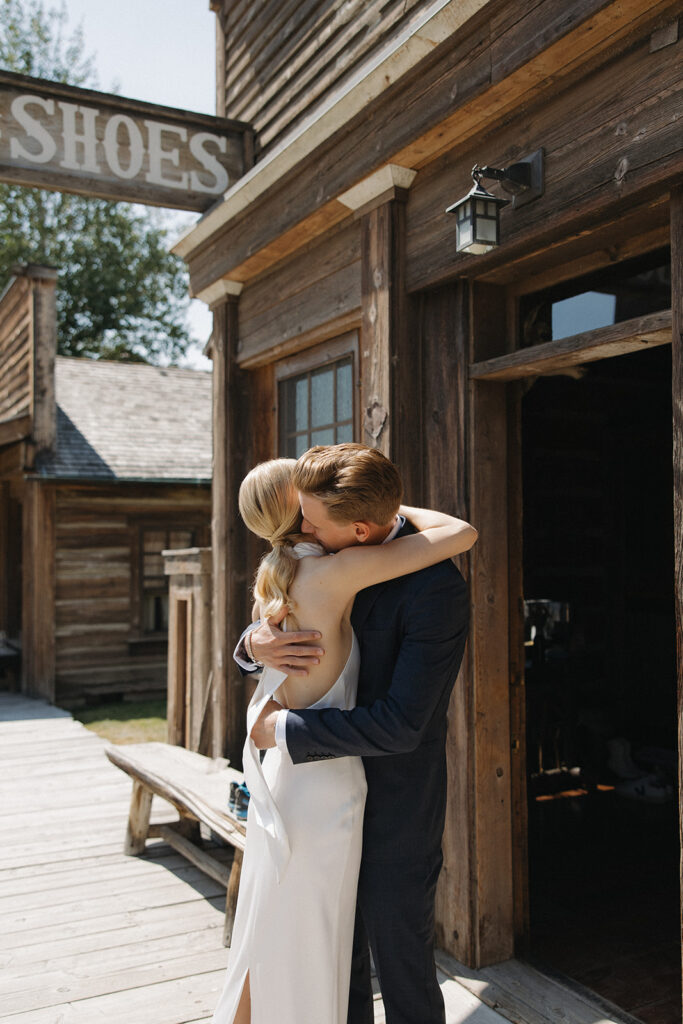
column 292, row 653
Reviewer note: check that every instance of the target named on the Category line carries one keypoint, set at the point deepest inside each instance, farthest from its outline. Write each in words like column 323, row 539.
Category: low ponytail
column 269, row 506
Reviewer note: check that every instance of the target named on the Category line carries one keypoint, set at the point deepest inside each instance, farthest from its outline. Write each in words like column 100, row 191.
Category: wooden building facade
column 528, row 389
column 102, row 466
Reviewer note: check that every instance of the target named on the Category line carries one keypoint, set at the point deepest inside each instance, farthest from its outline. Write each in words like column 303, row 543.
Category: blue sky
column 162, row 51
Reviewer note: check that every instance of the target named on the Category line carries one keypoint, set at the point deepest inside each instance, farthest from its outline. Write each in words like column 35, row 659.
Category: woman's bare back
column 318, row 605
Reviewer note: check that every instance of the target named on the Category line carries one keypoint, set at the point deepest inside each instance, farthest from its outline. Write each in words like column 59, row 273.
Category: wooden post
column 492, row 880
column 444, row 320
column 217, row 7
column 229, row 569
column 390, row 352
column 38, row 585
column 138, row 819
column 677, row 405
column 44, row 329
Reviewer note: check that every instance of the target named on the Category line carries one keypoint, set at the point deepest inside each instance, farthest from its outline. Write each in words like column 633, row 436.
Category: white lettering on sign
column 87, row 138
column 34, row 129
column 209, row 162
column 79, row 138
column 133, row 144
column 158, row 155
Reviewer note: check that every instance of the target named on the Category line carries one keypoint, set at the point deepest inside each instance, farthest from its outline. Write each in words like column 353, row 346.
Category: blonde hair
column 354, row 482
column 269, row 506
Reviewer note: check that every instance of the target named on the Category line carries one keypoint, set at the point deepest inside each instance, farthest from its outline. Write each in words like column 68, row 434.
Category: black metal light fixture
column 477, row 214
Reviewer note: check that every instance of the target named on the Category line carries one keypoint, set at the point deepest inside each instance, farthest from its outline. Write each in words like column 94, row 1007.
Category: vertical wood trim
column 38, row 585
column 376, row 328
column 191, row 699
column 444, row 335
column 390, row 358
column 201, row 643
column 677, row 406
column 518, row 769
column 44, row 323
column 220, row 64
column 4, row 557
column 174, row 667
column 490, row 645
column 229, row 569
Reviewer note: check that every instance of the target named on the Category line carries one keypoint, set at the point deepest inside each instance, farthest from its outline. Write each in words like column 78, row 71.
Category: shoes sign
column 59, row 137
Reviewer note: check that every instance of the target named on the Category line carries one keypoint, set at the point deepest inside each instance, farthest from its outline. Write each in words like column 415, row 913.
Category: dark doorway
column 601, row 681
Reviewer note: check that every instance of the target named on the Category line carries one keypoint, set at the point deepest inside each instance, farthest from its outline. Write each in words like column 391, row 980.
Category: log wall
column 15, row 350
column 98, row 649
column 283, row 59
column 28, row 345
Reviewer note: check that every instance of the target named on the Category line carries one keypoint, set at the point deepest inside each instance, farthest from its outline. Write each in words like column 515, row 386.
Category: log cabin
column 533, row 386
column 103, row 465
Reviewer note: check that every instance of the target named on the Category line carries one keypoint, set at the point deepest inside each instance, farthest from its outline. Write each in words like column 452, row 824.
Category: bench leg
column 231, row 897
column 138, row 819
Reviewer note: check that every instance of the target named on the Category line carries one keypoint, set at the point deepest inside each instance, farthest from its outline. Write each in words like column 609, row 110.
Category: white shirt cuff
column 240, row 653
column 281, row 731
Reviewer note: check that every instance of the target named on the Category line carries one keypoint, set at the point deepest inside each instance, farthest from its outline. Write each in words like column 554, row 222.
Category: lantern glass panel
column 487, row 230
column 464, row 234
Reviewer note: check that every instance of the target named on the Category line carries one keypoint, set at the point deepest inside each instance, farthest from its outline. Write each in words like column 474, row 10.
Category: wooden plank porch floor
column 88, row 935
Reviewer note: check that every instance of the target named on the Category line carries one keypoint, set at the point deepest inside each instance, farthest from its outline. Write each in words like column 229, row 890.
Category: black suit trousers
column 395, row 914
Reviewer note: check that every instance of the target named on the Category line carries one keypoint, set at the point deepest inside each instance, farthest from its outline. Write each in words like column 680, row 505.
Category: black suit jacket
column 412, row 634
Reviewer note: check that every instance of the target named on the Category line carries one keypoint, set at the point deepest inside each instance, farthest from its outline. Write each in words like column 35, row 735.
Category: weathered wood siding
column 292, row 305
column 601, row 158
column 28, row 345
column 96, row 537
column 283, row 59
column 15, row 350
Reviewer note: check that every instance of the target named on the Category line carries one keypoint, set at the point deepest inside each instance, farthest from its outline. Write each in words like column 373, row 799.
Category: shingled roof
column 130, row 421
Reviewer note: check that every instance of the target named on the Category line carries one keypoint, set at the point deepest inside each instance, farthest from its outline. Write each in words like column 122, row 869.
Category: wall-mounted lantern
column 477, row 224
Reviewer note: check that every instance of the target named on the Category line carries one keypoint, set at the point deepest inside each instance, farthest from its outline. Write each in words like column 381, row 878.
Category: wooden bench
column 198, row 788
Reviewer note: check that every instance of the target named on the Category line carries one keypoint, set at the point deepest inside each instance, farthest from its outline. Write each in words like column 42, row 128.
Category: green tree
column 121, row 294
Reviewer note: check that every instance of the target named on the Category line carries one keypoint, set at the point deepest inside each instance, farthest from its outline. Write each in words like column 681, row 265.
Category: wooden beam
column 229, row 569
column 44, row 323
column 389, row 356
column 492, row 875
column 443, row 325
column 38, row 583
column 677, row 403
column 602, row 343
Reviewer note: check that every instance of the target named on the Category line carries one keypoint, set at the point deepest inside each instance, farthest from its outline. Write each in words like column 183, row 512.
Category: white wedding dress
column 295, row 915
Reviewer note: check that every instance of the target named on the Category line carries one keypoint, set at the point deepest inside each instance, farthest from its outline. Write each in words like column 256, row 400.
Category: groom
column 412, row 633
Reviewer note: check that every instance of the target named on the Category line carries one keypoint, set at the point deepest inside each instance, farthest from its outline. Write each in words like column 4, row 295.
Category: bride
column 290, row 960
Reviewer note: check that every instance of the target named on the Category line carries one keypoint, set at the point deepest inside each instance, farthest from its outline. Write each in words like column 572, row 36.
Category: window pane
column 344, row 392
column 153, row 542
column 180, row 539
column 322, row 436
column 581, row 313
column 345, row 433
column 622, row 291
column 301, row 418
column 302, row 445
column 322, row 398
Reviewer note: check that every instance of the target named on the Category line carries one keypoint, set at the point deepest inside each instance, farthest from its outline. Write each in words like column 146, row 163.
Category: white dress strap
column 261, row 799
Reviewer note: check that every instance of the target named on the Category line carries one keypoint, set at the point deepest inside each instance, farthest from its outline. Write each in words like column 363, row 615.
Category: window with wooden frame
column 316, row 397
column 149, row 584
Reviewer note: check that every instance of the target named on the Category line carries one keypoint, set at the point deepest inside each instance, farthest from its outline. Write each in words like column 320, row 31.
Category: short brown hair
column 355, row 482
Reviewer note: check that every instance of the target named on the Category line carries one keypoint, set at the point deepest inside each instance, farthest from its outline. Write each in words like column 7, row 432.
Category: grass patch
column 125, row 721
